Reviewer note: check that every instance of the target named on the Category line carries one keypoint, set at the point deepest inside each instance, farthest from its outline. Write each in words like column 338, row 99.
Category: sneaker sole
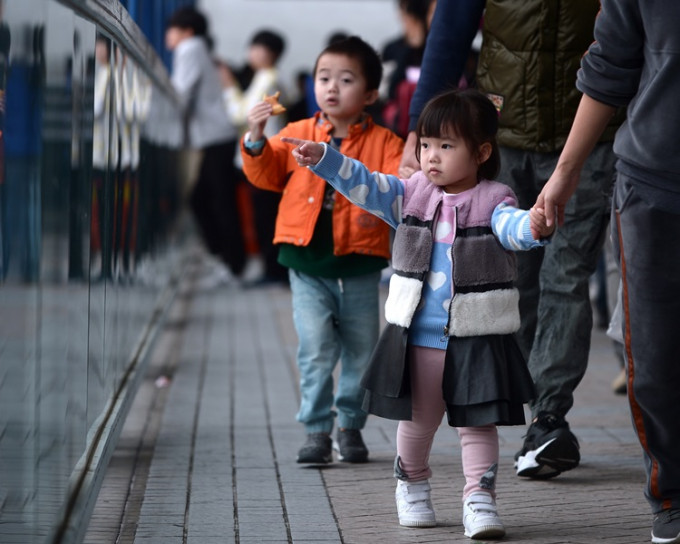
column 487, row 532
column 660, row 540
column 315, row 460
column 418, row 523
column 554, row 457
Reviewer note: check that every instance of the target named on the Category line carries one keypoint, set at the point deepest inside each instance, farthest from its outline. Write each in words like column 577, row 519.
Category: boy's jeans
column 335, row 319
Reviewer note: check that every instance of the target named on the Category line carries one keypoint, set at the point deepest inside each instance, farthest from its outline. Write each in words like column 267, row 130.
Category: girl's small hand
column 306, row 152
column 538, row 224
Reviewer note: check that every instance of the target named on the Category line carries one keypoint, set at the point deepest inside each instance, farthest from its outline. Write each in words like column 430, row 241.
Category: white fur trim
column 490, row 312
column 402, row 300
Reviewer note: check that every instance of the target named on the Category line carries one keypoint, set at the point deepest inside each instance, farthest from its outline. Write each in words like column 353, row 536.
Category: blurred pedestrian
column 401, row 62
column 264, row 51
column 213, row 197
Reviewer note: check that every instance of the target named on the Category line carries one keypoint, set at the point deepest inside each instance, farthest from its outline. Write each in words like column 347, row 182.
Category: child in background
column 213, row 197
column 264, row 51
column 333, row 249
column 452, row 310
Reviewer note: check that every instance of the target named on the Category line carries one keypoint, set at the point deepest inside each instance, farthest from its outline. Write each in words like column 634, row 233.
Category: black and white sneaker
column 550, row 448
column 350, row 446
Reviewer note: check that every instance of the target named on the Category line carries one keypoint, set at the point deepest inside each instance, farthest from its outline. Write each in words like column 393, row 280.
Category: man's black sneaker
column 666, row 527
column 549, row 448
column 350, row 446
column 317, row 450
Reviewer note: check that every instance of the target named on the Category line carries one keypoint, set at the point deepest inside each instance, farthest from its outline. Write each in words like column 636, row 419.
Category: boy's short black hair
column 356, row 48
column 271, row 40
column 189, row 18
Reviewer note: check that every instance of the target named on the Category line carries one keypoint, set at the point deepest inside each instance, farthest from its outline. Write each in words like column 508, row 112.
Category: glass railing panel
column 90, row 177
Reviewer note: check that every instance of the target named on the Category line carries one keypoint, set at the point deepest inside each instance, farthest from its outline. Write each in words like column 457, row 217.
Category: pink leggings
column 479, row 445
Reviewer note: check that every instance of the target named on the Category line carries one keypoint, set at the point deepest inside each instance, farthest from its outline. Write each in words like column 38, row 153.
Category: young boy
column 333, row 249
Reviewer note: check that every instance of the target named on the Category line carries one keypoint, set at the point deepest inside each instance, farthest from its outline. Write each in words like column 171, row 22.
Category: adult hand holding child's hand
column 306, row 152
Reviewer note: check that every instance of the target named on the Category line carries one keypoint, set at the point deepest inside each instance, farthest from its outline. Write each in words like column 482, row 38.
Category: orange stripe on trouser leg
column 634, row 407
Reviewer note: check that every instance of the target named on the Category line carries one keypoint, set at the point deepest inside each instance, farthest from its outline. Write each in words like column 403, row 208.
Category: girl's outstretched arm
column 377, row 193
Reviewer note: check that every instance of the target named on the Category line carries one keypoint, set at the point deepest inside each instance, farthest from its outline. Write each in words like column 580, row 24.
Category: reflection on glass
column 89, row 205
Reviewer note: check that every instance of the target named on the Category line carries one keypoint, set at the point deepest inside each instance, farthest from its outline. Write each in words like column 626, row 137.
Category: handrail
column 113, row 19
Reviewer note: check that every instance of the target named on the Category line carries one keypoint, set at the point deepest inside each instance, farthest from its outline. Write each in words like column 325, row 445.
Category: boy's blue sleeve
column 377, row 193
column 513, row 228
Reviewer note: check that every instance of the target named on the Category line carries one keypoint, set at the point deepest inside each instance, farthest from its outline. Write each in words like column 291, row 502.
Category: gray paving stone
column 221, row 442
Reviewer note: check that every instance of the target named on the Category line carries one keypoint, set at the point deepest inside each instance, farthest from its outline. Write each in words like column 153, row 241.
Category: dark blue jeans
column 553, row 281
column 647, row 240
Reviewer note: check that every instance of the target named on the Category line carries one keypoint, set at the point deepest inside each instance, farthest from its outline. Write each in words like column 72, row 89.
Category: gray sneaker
column 666, row 527
column 350, row 446
column 317, row 450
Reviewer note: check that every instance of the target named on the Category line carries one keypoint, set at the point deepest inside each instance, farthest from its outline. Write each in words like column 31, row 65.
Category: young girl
column 452, row 308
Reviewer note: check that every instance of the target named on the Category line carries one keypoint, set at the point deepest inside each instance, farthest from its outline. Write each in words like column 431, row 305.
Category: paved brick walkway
column 211, row 457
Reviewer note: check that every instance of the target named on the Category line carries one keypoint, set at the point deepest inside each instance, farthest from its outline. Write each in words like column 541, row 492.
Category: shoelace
column 547, row 422
column 666, row 516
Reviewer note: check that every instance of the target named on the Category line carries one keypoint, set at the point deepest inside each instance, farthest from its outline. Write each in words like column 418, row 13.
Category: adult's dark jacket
column 530, row 55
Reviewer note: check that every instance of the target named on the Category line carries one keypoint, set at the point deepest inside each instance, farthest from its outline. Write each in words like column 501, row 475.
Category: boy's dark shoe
column 549, row 448
column 350, row 446
column 666, row 527
column 317, row 450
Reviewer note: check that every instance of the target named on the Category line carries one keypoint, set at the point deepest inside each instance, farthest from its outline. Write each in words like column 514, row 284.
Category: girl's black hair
column 470, row 115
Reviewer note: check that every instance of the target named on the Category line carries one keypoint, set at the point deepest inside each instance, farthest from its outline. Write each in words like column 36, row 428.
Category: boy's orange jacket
column 354, row 230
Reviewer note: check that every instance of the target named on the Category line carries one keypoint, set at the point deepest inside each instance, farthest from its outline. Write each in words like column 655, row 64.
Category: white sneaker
column 414, row 506
column 480, row 517
column 216, row 274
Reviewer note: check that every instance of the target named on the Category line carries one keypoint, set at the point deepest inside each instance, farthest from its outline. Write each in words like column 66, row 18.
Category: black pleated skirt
column 486, row 380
